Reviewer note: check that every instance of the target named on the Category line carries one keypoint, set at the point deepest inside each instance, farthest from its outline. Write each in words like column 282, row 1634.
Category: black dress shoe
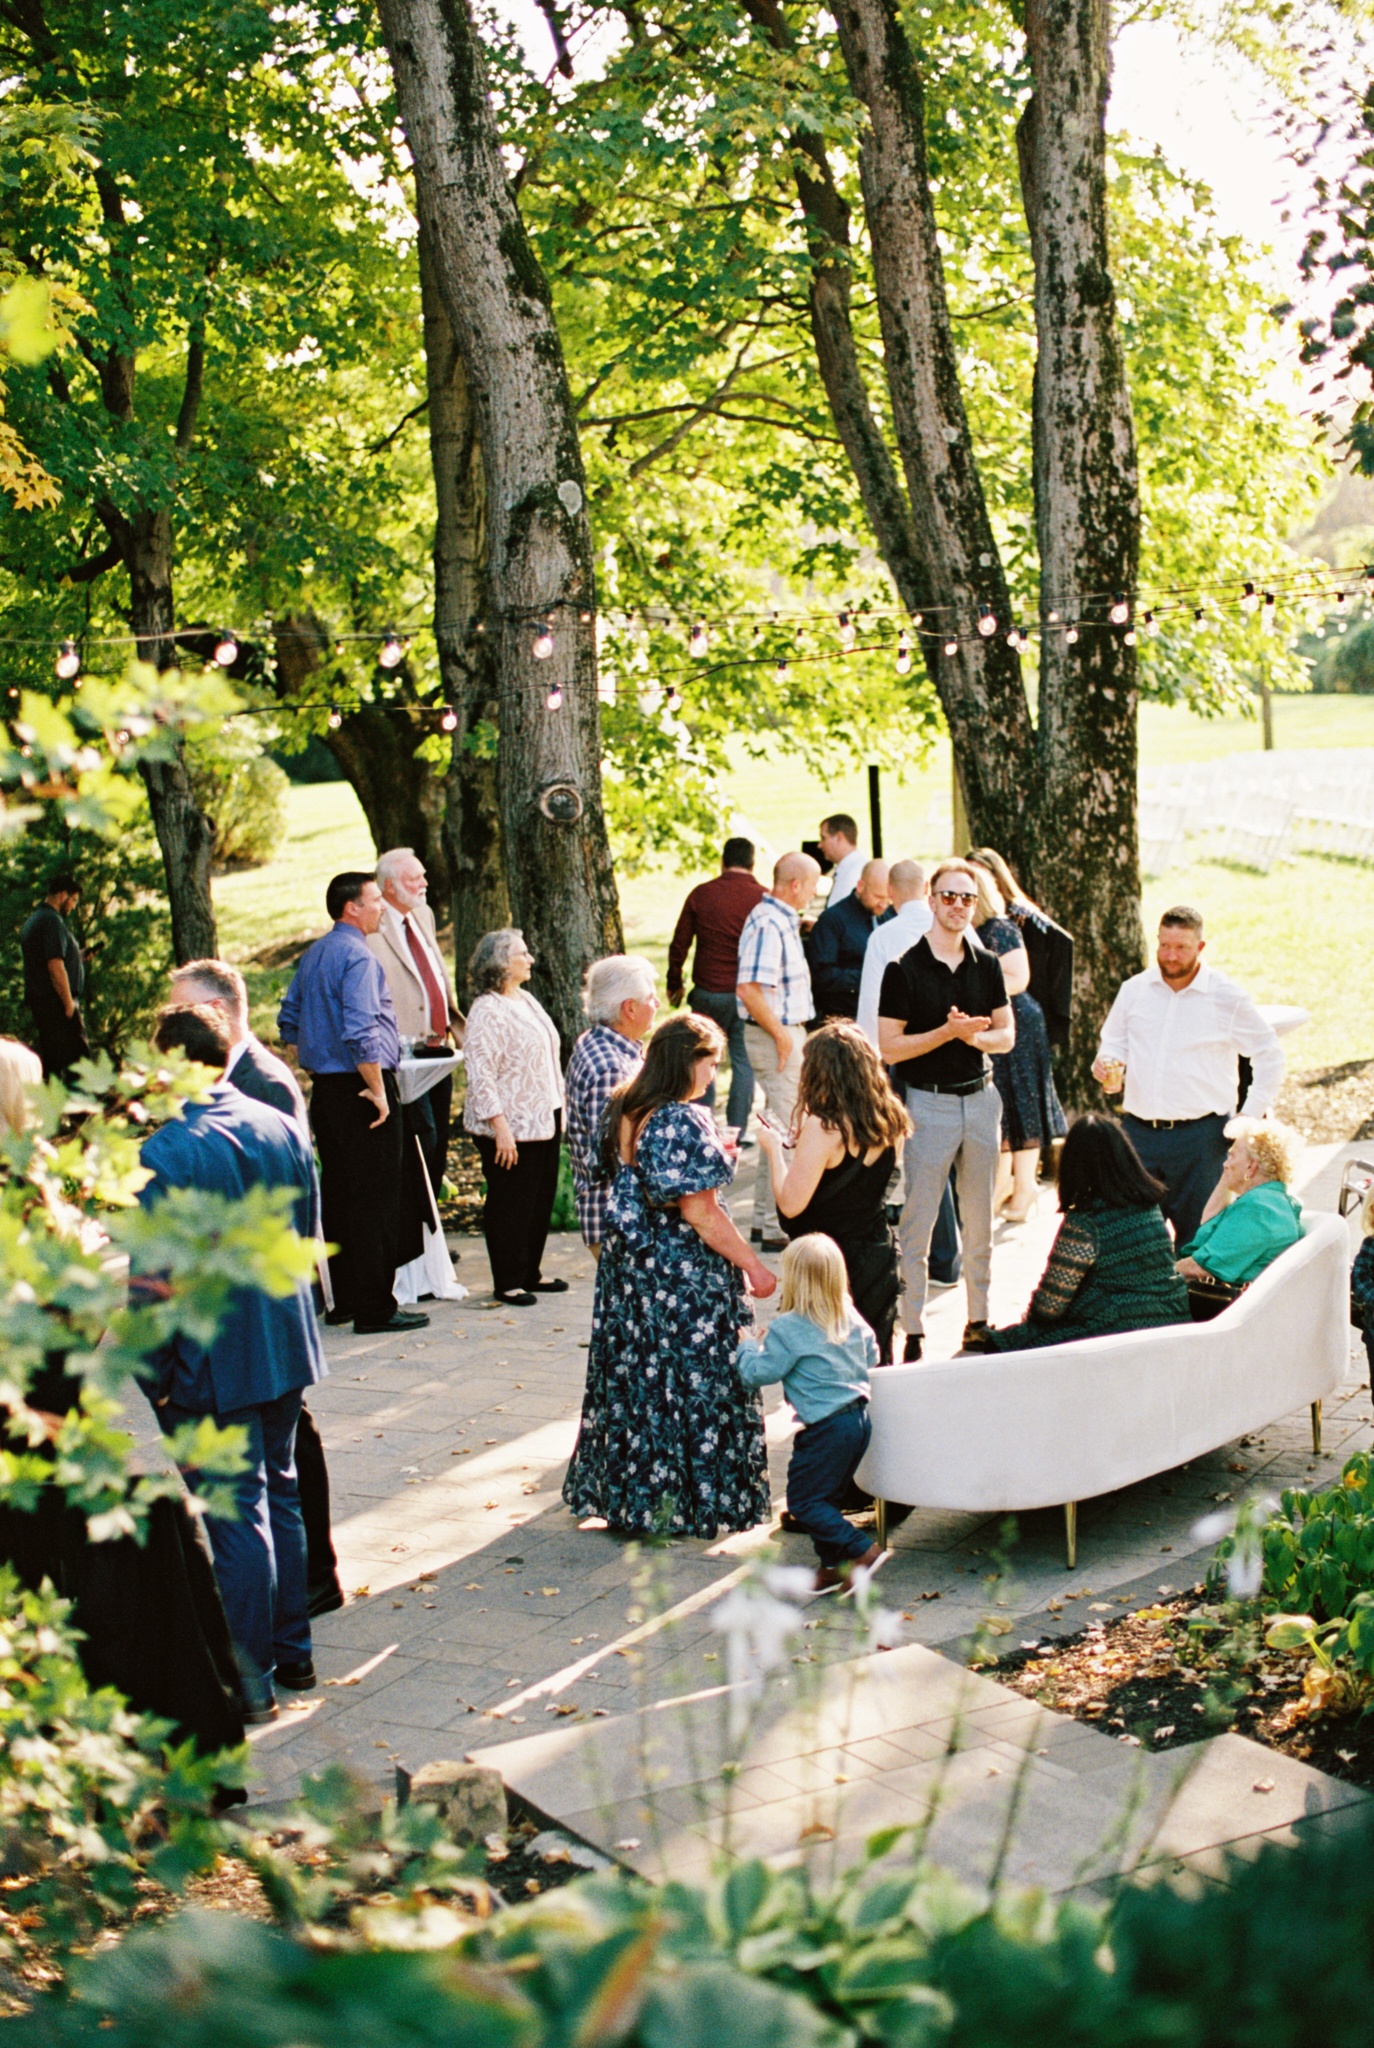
column 335, row 1316
column 550, row 1286
column 517, row 1297
column 975, row 1335
column 325, row 1599
column 259, row 1716
column 297, row 1677
column 404, row 1319
column 911, row 1349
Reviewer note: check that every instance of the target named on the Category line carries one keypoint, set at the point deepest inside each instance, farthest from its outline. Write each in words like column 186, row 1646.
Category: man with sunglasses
column 942, row 1010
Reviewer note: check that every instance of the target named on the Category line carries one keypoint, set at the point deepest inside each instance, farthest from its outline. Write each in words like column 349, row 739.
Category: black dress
column 1031, row 1110
column 849, row 1205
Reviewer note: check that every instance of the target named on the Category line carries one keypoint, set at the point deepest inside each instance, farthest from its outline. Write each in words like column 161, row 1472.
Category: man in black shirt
column 54, row 977
column 942, row 1009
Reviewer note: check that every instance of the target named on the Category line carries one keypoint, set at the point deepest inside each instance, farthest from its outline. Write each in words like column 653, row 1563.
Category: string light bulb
column 903, row 654
column 68, row 663
column 1269, row 616
column 987, row 621
column 1014, row 640
column 1120, row 611
column 543, row 643
column 780, row 672
column 1151, row 626
column 848, row 635
column 951, row 647
column 1128, row 638
column 554, row 700
column 392, row 653
column 699, row 641
column 448, row 719
column 1249, row 598
column 1340, row 600
column 226, row 650
column 1199, row 617
column 1071, row 637
column 673, row 700
column 335, row 717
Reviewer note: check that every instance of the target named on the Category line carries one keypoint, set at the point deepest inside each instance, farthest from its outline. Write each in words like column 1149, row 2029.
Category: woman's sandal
column 550, row 1286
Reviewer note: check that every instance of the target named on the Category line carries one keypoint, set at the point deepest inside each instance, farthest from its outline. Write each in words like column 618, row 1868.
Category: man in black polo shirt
column 55, row 977
column 942, row 1009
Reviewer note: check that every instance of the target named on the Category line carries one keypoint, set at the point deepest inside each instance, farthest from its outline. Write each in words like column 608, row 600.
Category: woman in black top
column 847, row 1125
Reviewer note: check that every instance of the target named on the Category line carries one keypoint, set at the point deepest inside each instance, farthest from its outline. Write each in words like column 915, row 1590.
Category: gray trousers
column 962, row 1132
column 780, row 1099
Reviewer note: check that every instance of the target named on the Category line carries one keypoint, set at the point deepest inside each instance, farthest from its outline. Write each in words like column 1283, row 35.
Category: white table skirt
column 432, row 1272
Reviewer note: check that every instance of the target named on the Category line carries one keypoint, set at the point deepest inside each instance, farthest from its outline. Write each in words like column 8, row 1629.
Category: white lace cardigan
column 511, row 1057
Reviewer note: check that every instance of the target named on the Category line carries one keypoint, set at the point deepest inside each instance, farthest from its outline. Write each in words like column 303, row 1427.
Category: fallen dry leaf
column 817, row 1832
column 1264, row 1785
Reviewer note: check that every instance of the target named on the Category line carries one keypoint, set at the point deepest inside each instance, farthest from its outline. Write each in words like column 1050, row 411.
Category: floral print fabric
column 670, row 1437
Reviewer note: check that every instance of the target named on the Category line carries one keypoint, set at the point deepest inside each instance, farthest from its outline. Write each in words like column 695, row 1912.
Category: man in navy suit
column 259, row 1073
column 265, row 1353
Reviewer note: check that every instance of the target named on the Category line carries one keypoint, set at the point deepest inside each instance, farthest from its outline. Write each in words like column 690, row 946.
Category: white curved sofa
column 1031, row 1429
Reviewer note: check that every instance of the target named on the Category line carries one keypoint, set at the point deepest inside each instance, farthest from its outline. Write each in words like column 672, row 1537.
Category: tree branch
column 416, row 411
column 109, row 557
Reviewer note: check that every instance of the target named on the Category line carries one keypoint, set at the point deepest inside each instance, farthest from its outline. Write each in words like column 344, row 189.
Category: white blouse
column 511, row 1055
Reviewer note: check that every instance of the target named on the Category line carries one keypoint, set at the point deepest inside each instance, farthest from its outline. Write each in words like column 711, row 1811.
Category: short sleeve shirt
column 45, row 937
column 921, row 990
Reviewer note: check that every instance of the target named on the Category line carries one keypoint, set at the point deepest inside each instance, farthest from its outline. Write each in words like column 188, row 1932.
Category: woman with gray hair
column 514, row 1112
column 620, row 1002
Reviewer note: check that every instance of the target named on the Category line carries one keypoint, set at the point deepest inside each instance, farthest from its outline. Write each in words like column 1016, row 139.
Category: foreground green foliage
column 889, row 1956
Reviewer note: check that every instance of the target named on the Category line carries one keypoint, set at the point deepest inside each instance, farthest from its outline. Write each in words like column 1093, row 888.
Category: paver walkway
column 480, row 1615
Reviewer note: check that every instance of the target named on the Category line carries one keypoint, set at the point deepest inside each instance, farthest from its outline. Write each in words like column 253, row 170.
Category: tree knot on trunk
column 561, row 803
column 1094, row 284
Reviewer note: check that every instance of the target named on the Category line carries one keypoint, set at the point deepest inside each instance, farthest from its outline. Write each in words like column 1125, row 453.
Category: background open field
column 1304, row 934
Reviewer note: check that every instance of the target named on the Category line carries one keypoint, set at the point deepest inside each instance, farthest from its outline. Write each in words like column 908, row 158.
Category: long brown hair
column 666, row 1076
column 844, row 1085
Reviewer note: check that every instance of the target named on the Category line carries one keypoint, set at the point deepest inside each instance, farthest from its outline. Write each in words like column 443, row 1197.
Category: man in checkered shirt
column 774, row 994
column 620, row 1002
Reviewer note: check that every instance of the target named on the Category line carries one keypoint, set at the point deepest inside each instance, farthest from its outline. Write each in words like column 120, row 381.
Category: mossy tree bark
column 478, row 896
column 1057, row 797
column 539, row 549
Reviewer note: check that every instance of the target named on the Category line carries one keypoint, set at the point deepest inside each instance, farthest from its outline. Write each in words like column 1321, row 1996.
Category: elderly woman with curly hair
column 1250, row 1217
column 514, row 1111
column 848, row 1123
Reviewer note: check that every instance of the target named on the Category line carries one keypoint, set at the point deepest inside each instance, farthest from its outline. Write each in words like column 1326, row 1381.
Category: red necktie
column 434, row 995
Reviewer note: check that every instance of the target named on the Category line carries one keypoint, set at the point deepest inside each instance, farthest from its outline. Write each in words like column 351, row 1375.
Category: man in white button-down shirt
column 1179, row 1030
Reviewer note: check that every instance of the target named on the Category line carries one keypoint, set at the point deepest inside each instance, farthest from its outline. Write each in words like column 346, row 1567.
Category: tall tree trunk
column 402, row 797
column 184, row 833
column 480, row 901
column 980, row 684
column 1087, row 514
column 540, row 570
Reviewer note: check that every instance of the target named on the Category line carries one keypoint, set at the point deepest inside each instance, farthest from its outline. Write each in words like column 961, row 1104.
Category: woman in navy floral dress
column 670, row 1438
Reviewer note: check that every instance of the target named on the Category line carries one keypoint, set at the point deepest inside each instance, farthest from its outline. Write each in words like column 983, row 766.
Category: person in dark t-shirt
column 712, row 918
column 55, row 977
column 943, row 1008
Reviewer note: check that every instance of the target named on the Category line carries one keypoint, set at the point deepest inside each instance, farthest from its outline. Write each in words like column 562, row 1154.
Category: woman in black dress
column 848, row 1124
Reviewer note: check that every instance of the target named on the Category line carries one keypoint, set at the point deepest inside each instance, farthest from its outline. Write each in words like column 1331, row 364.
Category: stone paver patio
column 481, row 1619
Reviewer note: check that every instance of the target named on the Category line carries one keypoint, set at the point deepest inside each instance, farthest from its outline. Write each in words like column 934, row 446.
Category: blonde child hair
column 815, row 1283
column 1366, row 1220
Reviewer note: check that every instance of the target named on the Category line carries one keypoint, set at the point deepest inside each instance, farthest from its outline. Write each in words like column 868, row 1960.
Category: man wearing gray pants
column 943, row 1008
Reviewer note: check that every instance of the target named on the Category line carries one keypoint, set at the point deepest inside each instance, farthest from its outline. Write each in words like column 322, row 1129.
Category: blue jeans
column 260, row 1555
column 723, row 1009
column 824, row 1457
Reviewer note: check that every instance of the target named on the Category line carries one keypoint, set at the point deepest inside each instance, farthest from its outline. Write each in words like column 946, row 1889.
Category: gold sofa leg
column 1071, row 1533
column 880, row 1516
column 1316, row 1429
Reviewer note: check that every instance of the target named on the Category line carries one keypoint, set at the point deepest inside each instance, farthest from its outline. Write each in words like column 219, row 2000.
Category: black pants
column 1188, row 1159
column 62, row 1042
column 516, row 1213
column 312, row 1478
column 360, row 1192
column 429, row 1117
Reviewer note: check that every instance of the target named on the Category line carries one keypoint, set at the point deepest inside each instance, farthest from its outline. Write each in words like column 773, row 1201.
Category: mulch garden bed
column 1162, row 1676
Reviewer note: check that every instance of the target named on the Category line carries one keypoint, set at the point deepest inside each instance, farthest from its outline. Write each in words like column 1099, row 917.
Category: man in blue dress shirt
column 339, row 1015
column 253, row 1373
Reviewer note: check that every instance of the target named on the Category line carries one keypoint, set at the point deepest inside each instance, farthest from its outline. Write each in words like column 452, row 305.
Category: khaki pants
column 963, row 1132
column 780, row 1099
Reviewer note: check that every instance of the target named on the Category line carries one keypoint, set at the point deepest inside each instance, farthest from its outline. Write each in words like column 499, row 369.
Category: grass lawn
column 1301, row 935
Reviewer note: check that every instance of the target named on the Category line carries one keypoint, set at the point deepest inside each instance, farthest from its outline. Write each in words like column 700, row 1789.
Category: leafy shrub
column 881, row 1957
column 122, row 917
column 244, row 795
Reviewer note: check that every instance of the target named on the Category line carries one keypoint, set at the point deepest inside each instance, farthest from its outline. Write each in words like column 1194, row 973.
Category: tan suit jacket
column 392, row 948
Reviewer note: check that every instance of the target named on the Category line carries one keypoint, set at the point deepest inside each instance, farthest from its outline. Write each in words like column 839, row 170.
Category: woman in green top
column 1250, row 1216
column 1112, row 1266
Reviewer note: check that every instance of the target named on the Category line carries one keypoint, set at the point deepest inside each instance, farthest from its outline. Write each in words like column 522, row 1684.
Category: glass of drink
column 1114, row 1076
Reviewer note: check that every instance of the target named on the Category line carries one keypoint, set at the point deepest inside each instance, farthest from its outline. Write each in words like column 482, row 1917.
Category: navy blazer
column 835, row 955
column 266, row 1346
column 259, row 1073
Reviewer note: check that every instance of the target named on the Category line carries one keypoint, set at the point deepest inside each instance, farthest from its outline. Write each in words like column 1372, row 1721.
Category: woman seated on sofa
column 1112, row 1266
column 1250, row 1216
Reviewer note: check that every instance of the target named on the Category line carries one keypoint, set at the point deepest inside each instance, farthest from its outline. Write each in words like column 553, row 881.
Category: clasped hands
column 967, row 1028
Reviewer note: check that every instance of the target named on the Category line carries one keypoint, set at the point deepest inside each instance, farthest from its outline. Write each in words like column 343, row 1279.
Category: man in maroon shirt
column 714, row 916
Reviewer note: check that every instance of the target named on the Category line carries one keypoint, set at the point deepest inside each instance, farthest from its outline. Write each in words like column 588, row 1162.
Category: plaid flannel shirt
column 770, row 953
column 601, row 1059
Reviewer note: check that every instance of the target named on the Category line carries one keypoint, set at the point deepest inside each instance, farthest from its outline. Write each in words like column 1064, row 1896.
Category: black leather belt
column 1166, row 1123
column 953, row 1087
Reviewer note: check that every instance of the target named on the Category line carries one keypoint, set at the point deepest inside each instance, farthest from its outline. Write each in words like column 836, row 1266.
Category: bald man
column 839, row 941
column 774, row 994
